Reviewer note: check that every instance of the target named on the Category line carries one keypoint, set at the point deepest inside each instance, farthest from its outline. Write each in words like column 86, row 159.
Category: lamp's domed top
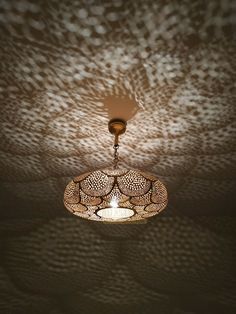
column 115, row 195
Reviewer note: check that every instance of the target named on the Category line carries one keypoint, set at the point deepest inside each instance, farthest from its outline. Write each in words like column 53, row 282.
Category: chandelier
column 115, row 194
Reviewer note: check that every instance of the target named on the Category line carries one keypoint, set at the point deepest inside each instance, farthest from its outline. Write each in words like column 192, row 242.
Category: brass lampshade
column 115, row 194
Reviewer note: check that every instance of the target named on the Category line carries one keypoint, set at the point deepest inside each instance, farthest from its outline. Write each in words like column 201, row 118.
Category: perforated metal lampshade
column 115, row 195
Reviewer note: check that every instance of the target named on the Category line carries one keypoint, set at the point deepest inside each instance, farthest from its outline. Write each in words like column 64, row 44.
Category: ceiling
column 66, row 68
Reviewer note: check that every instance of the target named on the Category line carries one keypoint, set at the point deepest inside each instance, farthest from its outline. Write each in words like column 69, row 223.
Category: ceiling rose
column 115, row 194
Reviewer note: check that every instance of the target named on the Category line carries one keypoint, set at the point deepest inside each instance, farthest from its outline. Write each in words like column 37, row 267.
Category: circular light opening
column 115, row 213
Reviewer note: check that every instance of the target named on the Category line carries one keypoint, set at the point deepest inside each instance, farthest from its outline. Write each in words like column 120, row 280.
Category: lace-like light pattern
column 134, row 190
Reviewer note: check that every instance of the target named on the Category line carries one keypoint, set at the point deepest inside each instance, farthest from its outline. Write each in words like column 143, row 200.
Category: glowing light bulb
column 114, row 202
column 115, row 212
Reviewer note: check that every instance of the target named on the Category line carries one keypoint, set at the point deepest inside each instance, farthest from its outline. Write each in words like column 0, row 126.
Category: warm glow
column 115, row 213
column 115, row 195
column 114, row 202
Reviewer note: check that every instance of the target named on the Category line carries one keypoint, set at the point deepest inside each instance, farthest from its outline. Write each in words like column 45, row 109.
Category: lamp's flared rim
column 115, row 213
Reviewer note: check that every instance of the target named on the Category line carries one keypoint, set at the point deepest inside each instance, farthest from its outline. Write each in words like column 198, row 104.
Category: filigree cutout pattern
column 131, row 188
column 59, row 61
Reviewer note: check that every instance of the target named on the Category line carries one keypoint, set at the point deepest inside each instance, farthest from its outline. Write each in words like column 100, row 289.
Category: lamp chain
column 116, row 156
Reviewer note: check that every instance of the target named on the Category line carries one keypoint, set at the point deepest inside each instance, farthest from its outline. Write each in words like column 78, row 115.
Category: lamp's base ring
column 117, row 126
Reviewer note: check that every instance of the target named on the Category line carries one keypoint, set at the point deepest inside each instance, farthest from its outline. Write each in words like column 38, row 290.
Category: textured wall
column 60, row 61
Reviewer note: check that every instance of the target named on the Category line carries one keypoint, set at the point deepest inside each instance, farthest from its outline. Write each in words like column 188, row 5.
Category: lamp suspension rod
column 116, row 127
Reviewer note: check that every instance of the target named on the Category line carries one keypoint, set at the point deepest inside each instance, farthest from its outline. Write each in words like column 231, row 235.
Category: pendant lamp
column 115, row 194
